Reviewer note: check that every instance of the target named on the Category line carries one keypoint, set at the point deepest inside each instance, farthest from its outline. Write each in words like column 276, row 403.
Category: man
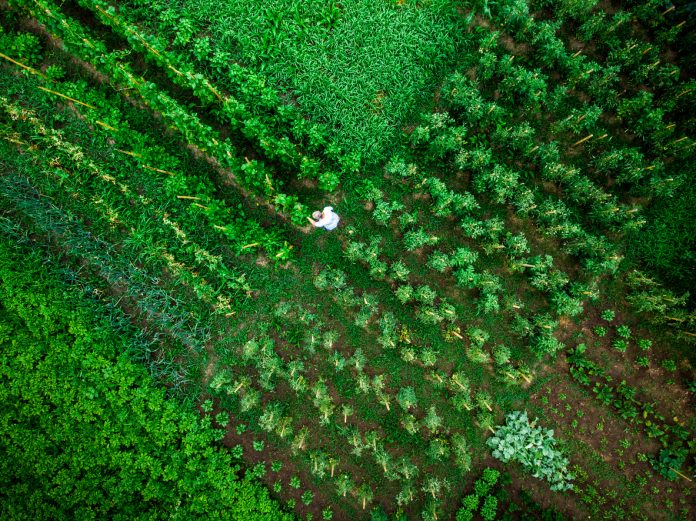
column 326, row 219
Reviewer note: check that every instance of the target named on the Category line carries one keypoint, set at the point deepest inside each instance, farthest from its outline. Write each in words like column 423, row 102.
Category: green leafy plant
column 535, row 448
column 668, row 365
column 608, row 315
column 643, row 361
column 418, row 238
column 307, row 497
column 669, row 461
column 620, row 345
column 24, row 47
column 624, row 332
column 600, row 331
column 644, row 344
column 407, row 398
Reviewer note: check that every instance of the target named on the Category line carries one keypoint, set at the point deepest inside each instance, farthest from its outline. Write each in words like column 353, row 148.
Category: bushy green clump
column 608, row 315
column 620, row 345
column 624, row 332
column 24, row 47
column 533, row 447
column 482, row 488
column 644, row 344
column 600, row 331
column 669, row 365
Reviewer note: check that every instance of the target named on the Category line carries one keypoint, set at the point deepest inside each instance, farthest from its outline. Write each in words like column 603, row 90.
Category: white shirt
column 329, row 221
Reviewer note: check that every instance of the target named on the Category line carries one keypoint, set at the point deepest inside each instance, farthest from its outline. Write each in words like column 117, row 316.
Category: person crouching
column 326, row 219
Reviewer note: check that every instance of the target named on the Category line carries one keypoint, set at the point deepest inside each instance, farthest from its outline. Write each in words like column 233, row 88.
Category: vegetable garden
column 499, row 328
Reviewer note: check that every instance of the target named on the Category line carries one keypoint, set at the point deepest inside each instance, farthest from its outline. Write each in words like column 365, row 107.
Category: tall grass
column 359, row 66
column 667, row 245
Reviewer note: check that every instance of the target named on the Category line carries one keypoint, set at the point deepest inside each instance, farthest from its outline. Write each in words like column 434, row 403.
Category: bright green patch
column 360, row 66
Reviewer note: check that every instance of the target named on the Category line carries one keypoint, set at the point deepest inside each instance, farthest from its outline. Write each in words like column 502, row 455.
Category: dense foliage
column 358, row 66
column 490, row 499
column 667, row 245
column 84, row 432
column 534, row 447
column 512, row 177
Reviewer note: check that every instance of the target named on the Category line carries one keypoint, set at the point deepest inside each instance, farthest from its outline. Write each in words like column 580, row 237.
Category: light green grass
column 361, row 68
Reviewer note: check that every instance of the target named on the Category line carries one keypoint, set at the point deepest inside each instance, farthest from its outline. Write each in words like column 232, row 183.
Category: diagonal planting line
column 276, row 248
column 81, row 244
column 232, row 111
column 74, row 153
column 251, row 174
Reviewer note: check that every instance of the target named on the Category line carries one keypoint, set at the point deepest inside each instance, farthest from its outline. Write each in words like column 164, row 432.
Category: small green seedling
column 644, row 343
column 608, row 315
column 624, row 332
column 600, row 331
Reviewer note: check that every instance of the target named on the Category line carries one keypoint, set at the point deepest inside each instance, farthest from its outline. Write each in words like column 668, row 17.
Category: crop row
column 111, row 125
column 393, row 335
column 142, row 289
column 509, row 138
column 601, row 82
column 257, row 97
column 555, row 218
column 250, row 174
column 228, row 110
column 676, row 440
column 100, row 192
column 141, row 150
column 262, row 354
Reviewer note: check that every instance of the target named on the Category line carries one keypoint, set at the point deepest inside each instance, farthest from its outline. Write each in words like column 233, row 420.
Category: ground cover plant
column 489, row 331
column 62, row 353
